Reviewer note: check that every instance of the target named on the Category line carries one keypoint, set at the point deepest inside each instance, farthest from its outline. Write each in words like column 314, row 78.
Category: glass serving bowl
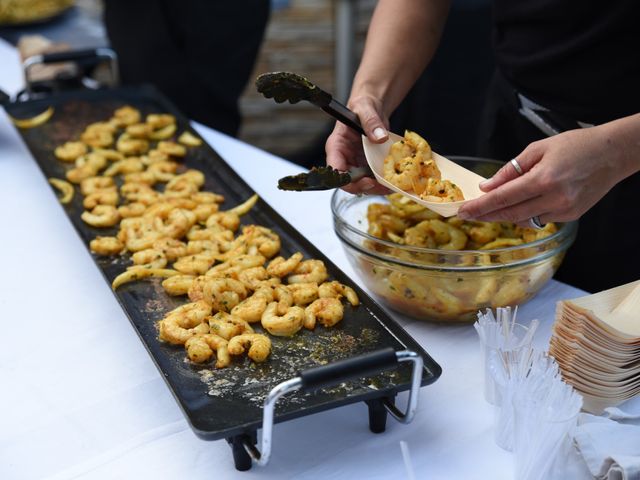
column 445, row 285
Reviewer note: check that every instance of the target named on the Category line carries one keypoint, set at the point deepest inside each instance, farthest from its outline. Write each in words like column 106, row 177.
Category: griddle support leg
column 377, row 415
column 241, row 458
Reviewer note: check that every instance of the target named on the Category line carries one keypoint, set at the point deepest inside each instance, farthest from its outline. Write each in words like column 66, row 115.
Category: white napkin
column 611, row 449
column 618, row 415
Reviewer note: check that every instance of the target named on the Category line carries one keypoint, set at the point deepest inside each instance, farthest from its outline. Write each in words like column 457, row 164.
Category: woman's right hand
column 344, row 145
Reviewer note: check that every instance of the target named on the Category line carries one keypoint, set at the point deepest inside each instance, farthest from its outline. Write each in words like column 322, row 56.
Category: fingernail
column 484, row 183
column 463, row 215
column 379, row 133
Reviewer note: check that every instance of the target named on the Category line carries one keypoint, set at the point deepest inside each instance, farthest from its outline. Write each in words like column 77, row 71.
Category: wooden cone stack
column 596, row 342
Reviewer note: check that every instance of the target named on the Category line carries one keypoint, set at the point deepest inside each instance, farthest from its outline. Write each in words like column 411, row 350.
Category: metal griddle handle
column 70, row 56
column 332, row 374
column 416, row 377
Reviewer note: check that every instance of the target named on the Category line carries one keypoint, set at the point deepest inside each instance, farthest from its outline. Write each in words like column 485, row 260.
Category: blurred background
column 319, row 39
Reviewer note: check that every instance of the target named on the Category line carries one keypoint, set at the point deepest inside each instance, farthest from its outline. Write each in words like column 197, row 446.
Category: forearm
column 622, row 139
column 402, row 38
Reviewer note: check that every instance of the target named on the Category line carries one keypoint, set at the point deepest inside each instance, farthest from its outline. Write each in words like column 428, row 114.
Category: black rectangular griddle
column 228, row 403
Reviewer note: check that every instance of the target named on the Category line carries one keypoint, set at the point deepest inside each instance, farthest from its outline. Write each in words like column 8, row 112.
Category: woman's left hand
column 563, row 176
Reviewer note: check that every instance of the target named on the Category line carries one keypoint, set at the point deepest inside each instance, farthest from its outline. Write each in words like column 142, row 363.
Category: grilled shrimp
column 126, row 115
column 154, row 156
column 195, row 264
column 328, row 311
column 172, row 148
column 226, row 220
column 261, row 240
column 139, row 238
column 97, row 138
column 69, row 151
column 238, row 263
column 178, row 284
column 78, row 174
column 180, row 189
column 194, row 176
column 227, row 325
column 403, row 172
column 337, row 290
column 101, row 197
column 204, row 210
column 131, row 146
column 282, row 325
column 253, row 277
column 198, row 246
column 138, row 130
column 303, row 293
column 140, row 177
column 252, row 308
column 150, row 257
column 177, row 223
column 134, row 209
column 184, row 322
column 207, row 197
column 121, row 167
column 259, row 350
column 448, row 237
column 420, row 235
column 441, row 190
column 224, row 293
column 94, row 184
column 163, row 171
column 309, row 271
column 281, row 267
column 200, row 349
column 160, row 120
column 106, row 245
column 171, row 247
column 101, row 216
column 163, row 133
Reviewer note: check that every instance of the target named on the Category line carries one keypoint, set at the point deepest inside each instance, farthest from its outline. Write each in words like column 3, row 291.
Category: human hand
column 344, row 145
column 563, row 177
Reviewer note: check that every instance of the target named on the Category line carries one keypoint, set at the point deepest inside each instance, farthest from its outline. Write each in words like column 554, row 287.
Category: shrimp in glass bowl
column 445, row 269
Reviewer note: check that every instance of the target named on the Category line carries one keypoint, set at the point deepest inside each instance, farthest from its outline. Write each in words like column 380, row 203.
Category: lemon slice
column 33, row 121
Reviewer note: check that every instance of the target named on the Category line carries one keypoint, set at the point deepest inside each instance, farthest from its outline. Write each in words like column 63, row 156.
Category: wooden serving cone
column 467, row 180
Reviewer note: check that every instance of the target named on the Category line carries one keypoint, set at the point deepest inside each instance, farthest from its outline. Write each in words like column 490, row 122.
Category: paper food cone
column 467, row 180
column 578, row 337
column 630, row 305
column 602, row 307
column 595, row 361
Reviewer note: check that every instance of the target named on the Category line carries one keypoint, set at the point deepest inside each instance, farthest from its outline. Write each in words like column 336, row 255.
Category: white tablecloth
column 81, row 398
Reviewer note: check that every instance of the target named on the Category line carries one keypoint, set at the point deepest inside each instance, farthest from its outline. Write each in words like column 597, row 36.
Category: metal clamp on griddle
column 332, row 374
column 81, row 58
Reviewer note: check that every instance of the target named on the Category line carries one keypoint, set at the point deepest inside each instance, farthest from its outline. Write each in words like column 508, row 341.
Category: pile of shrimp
column 406, row 222
column 235, row 279
column 410, row 166
column 450, row 295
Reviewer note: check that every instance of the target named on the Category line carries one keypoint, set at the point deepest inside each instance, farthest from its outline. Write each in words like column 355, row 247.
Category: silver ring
column 517, row 166
column 535, row 223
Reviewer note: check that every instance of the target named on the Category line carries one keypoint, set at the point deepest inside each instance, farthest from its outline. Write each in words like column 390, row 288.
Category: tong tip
column 318, row 178
column 283, row 86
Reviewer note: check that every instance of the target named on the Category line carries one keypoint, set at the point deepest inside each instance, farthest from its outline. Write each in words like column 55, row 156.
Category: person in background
column 199, row 53
column 563, row 102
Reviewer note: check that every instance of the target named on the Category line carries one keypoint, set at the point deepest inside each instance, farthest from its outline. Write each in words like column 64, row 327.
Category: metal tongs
column 287, row 86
